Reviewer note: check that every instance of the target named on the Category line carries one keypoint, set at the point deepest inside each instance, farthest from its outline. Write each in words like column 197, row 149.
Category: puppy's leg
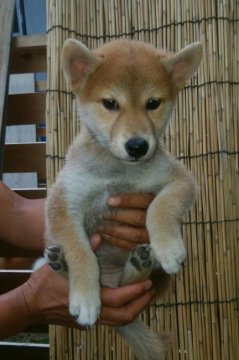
column 139, row 265
column 65, row 229
column 164, row 220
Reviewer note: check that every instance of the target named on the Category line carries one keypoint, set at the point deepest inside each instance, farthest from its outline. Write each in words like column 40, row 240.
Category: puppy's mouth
column 135, row 160
column 132, row 161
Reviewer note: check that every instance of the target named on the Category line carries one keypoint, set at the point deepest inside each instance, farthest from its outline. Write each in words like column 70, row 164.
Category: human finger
column 127, row 312
column 120, row 243
column 135, row 217
column 123, row 295
column 138, row 235
column 95, row 241
column 131, row 200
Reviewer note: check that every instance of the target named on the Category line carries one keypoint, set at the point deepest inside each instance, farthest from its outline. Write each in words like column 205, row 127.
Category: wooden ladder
column 18, row 55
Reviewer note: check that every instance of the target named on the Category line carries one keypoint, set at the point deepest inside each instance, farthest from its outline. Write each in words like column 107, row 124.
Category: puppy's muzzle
column 137, row 147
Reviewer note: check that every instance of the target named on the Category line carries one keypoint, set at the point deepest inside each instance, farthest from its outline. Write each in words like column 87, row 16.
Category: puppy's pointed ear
column 78, row 62
column 184, row 63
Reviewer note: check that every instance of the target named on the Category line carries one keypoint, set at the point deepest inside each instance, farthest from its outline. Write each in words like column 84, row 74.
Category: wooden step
column 28, row 157
column 38, row 193
column 25, row 109
column 12, row 350
column 10, row 279
column 28, row 54
column 13, row 251
column 6, row 20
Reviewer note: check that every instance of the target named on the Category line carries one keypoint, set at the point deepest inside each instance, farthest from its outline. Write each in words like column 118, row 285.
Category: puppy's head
column 126, row 91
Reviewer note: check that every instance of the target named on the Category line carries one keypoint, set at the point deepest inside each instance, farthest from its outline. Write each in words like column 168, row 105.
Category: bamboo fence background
column 201, row 308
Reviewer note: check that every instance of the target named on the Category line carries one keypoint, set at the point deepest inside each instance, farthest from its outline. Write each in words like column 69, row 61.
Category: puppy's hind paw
column 141, row 258
column 55, row 259
column 139, row 265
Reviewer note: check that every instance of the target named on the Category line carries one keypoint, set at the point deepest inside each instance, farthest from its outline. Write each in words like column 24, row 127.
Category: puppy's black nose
column 136, row 147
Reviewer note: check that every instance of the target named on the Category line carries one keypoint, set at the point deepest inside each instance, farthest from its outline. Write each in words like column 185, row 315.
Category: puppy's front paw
column 85, row 309
column 170, row 256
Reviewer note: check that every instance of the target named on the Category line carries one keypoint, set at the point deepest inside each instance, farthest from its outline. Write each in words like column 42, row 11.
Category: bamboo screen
column 201, row 308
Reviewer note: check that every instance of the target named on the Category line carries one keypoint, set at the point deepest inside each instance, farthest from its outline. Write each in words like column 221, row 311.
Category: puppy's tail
column 144, row 343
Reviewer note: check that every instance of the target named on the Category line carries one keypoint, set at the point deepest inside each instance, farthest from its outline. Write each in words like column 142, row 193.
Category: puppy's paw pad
column 141, row 258
column 55, row 258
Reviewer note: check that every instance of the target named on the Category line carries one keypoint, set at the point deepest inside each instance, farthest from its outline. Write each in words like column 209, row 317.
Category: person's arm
column 21, row 220
column 43, row 299
column 14, row 313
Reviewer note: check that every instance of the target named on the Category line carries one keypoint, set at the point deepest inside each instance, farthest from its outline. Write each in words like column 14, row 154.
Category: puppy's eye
column 110, row 104
column 152, row 104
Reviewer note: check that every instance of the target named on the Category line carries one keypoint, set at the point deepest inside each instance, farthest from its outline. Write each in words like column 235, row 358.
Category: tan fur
column 101, row 162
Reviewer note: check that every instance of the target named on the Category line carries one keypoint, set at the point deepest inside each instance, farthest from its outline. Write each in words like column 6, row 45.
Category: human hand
column 125, row 228
column 46, row 297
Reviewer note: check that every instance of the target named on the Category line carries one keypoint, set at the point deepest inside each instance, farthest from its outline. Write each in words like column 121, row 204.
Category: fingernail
column 114, row 201
column 148, row 285
column 95, row 240
column 106, row 236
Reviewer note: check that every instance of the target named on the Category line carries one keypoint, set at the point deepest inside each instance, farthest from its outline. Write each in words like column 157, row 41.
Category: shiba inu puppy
column 126, row 91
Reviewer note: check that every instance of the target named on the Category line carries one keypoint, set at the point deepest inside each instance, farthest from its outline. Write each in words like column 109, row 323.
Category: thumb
column 95, row 241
